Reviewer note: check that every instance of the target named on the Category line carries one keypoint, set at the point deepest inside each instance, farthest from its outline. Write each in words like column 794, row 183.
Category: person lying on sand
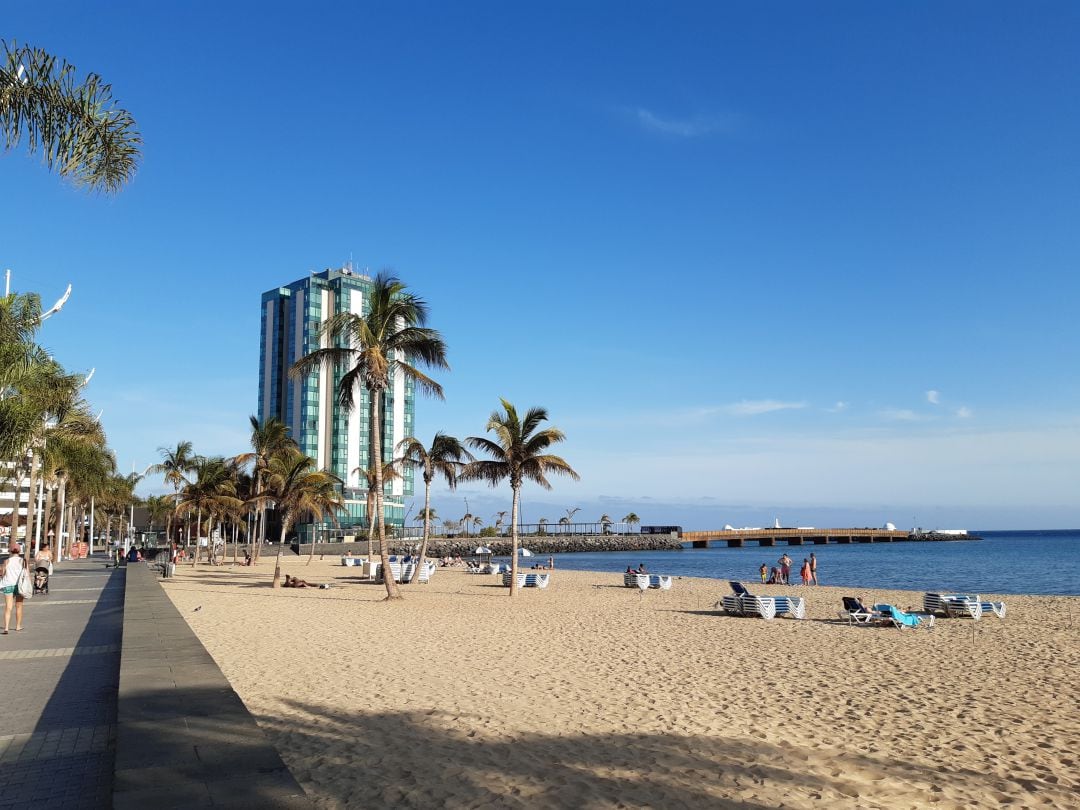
column 296, row 582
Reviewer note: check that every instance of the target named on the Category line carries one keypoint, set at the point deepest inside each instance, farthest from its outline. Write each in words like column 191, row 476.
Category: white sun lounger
column 997, row 608
column 763, row 606
column 661, row 582
column 636, row 581
column 730, row 604
column 793, row 606
column 643, row 581
column 952, row 605
column 527, row 580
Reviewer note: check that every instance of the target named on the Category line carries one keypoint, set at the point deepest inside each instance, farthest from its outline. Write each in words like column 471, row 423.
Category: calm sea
column 1029, row 562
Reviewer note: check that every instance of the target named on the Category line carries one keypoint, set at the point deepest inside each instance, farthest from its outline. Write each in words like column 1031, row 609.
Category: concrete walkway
column 185, row 739
column 59, row 678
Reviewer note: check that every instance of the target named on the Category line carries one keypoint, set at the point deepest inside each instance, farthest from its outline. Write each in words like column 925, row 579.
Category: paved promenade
column 59, row 678
column 185, row 739
column 99, row 712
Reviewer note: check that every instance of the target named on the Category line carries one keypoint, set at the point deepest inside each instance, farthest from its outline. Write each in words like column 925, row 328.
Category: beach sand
column 592, row 695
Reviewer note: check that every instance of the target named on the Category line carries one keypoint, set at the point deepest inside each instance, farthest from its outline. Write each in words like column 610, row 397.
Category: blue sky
column 814, row 261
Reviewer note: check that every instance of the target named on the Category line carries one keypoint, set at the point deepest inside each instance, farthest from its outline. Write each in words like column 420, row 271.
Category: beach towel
column 906, row 619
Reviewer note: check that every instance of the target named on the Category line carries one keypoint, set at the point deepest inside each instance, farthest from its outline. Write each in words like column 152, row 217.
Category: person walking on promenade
column 813, row 568
column 805, row 571
column 785, row 568
column 9, row 586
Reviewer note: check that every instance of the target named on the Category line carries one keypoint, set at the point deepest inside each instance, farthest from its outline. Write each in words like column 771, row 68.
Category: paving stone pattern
column 60, row 676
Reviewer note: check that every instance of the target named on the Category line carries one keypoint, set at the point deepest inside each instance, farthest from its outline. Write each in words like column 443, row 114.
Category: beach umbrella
column 524, row 552
column 482, row 550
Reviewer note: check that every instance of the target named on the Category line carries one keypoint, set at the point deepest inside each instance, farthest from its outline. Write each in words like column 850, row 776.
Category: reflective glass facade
column 339, row 441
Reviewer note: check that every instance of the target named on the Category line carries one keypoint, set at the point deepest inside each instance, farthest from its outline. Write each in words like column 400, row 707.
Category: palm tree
column 631, row 519
column 158, row 507
column 465, row 522
column 449, row 526
column 499, row 518
column 477, row 521
column 175, row 466
column 444, row 457
column 517, row 453
column 299, row 488
column 77, row 127
column 46, row 408
column 605, row 522
column 213, row 490
column 570, row 517
column 387, row 340
column 267, row 438
column 542, row 523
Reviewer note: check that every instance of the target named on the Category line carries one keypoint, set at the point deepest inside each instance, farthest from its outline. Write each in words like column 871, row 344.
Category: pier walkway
column 736, row 538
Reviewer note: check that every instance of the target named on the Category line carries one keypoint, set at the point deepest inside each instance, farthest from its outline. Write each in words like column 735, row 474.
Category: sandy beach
column 591, row 695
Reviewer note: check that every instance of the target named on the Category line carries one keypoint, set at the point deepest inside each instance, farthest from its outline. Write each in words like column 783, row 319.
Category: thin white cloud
column 695, row 127
column 964, row 412
column 756, row 407
column 901, row 415
column 933, row 397
column 838, row 407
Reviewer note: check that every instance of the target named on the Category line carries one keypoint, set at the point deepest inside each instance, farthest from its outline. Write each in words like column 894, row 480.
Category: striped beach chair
column 661, row 582
column 763, row 606
column 793, row 606
column 953, row 605
column 640, row 581
column 997, row 608
column 730, row 604
column 527, row 580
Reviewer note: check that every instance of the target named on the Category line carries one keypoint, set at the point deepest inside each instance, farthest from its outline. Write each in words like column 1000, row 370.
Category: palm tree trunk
column 427, row 517
column 281, row 547
column 18, row 502
column 198, row 539
column 311, row 554
column 31, row 507
column 50, row 504
column 60, row 516
column 235, row 541
column 514, row 543
column 260, row 518
column 392, row 591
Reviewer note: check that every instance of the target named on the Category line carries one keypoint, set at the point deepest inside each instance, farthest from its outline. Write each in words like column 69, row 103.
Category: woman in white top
column 9, row 587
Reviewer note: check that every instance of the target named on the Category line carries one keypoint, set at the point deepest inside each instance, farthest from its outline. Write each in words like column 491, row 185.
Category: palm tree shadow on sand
column 386, row 750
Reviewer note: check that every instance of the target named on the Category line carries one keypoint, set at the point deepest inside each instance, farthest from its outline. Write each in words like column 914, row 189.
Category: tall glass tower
column 339, row 442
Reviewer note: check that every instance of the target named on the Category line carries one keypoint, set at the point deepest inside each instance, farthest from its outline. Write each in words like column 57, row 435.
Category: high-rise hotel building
column 339, row 442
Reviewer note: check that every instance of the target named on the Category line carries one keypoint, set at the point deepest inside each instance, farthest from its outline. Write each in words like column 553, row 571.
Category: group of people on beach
column 780, row 574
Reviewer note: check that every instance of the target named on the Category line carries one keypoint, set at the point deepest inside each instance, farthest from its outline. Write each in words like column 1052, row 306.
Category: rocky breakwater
column 543, row 545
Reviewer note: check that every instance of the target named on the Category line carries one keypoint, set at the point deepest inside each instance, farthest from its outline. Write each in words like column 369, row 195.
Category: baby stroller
column 41, row 580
